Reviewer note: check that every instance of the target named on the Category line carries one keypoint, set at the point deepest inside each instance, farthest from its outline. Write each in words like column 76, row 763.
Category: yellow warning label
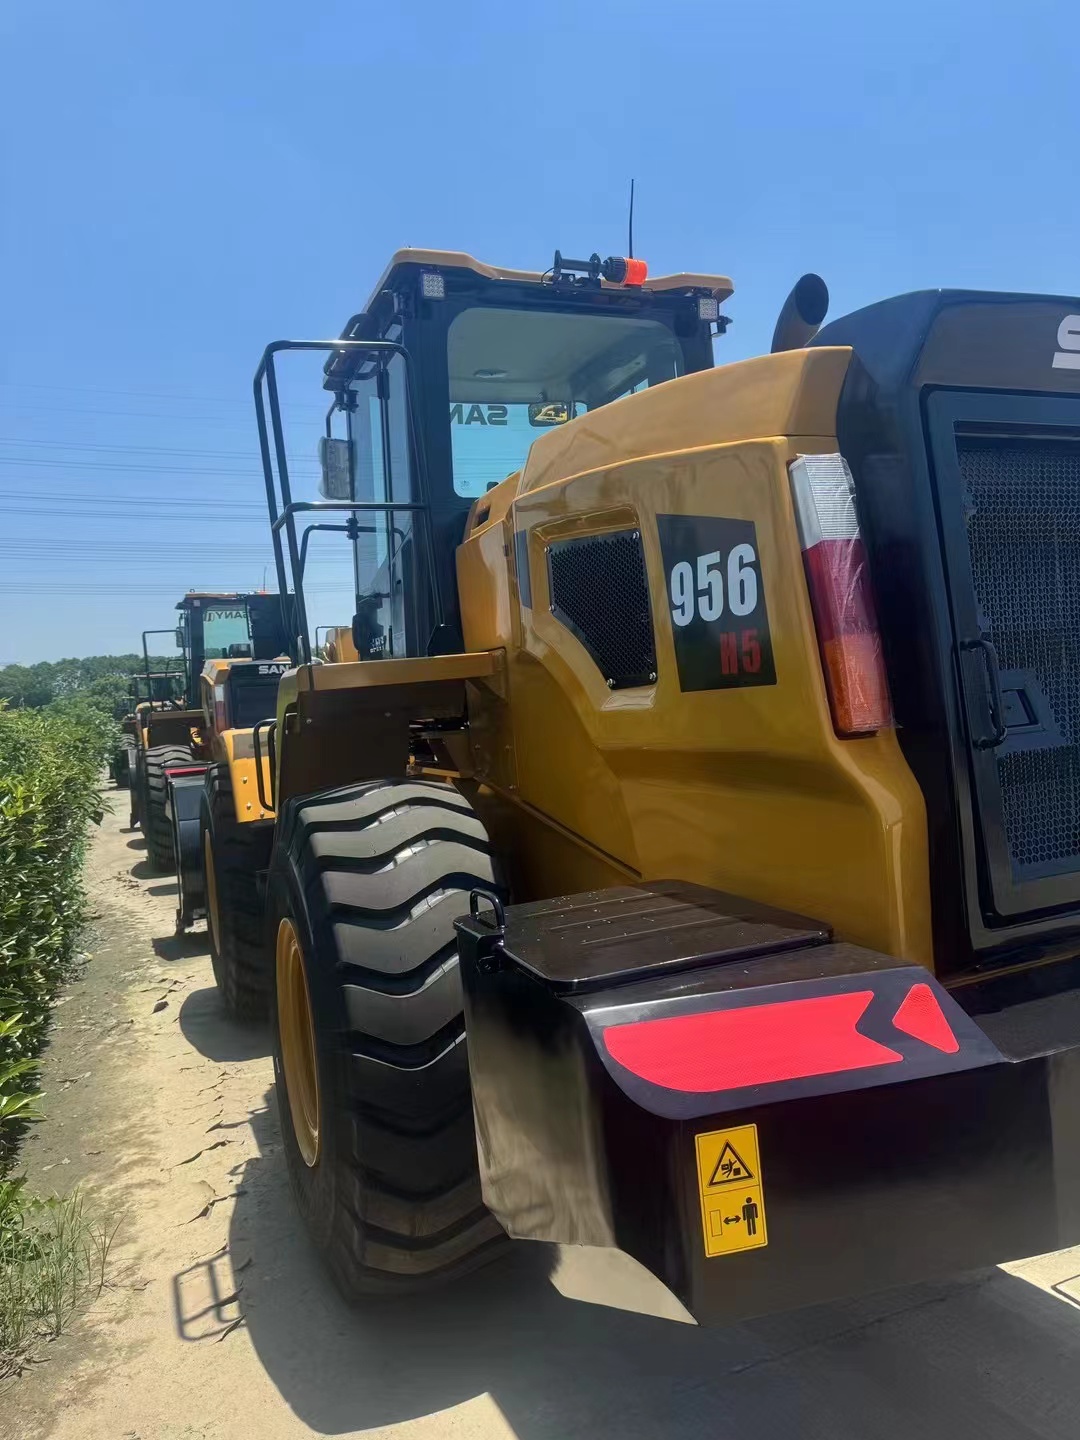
column 732, row 1194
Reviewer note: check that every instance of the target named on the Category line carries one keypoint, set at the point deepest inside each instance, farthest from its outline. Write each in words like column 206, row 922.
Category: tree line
column 102, row 680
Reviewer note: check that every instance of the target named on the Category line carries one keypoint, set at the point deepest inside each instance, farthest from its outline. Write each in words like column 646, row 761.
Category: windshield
column 225, row 627
column 516, row 373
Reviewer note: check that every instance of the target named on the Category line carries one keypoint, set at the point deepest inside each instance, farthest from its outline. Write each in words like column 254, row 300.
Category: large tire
column 125, row 763
column 136, row 786
column 157, row 827
column 366, row 882
column 233, row 856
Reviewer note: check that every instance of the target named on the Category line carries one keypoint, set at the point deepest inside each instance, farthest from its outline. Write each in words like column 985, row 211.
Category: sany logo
column 1068, row 337
column 272, row 669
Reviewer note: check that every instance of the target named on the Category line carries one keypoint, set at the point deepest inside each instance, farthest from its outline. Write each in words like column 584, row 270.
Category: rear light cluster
column 840, row 595
column 221, row 714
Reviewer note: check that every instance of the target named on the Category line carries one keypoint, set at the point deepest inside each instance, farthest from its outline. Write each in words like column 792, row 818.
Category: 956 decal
column 716, row 599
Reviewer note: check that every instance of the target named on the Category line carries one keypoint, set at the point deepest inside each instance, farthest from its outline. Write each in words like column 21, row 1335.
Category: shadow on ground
column 181, row 947
column 143, row 870
column 985, row 1356
column 208, row 1029
column 138, row 840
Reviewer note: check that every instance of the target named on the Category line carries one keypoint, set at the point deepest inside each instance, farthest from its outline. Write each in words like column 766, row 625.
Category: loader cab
column 227, row 626
column 438, row 390
column 164, row 688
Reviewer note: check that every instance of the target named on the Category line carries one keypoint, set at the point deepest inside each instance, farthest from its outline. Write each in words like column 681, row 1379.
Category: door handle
column 997, row 700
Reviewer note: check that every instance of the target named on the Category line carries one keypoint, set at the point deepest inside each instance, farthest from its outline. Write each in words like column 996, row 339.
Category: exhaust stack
column 804, row 310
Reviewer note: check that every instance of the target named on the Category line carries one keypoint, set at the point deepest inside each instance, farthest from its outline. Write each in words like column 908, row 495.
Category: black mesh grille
column 252, row 697
column 600, row 591
column 1022, row 511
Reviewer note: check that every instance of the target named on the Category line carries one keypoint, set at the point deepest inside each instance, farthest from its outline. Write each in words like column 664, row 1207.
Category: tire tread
column 383, row 869
column 160, row 847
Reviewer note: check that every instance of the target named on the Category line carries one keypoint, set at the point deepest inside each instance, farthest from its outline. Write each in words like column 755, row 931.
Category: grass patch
column 53, row 1259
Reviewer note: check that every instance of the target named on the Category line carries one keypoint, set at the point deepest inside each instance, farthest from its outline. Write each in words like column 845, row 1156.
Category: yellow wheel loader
column 174, row 736
column 231, row 827
column 157, row 690
column 201, row 792
column 161, row 730
column 689, row 861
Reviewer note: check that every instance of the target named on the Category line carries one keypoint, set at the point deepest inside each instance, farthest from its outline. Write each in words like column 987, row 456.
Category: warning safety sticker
column 732, row 1194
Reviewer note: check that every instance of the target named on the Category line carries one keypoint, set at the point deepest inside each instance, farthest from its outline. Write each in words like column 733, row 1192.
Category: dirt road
column 220, row 1323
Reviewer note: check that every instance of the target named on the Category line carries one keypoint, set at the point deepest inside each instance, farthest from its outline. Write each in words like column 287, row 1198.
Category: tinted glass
column 515, row 373
column 223, row 626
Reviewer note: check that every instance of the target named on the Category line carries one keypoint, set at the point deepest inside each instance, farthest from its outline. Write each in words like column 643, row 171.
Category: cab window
column 226, row 627
column 516, row 373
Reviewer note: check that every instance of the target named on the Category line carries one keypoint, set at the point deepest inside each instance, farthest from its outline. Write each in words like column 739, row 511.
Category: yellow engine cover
column 739, row 782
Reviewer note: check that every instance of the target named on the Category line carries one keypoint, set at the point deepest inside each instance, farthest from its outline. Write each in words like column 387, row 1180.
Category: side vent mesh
column 600, row 592
column 1022, row 511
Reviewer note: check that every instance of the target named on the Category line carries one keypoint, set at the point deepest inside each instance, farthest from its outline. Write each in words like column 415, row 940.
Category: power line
column 203, row 555
column 253, row 477
column 42, row 545
column 172, row 501
column 248, row 454
column 248, row 423
column 59, row 412
column 103, row 588
column 65, row 389
column 170, row 517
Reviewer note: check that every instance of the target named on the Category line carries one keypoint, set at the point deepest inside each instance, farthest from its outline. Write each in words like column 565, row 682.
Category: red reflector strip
column 730, row 1049
column 185, row 769
column 921, row 1016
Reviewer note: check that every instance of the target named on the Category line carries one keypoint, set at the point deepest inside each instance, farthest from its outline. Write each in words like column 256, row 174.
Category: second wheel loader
column 689, row 861
column 218, row 632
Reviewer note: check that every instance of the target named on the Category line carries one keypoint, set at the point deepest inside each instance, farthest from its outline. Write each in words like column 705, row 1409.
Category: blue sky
column 180, row 184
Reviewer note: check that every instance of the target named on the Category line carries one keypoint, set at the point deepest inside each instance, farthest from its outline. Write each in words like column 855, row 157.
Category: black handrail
column 146, row 665
column 271, row 726
column 349, row 528
column 285, row 518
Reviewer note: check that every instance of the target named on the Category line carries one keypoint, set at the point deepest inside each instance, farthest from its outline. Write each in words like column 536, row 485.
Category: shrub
column 50, row 769
column 52, row 1256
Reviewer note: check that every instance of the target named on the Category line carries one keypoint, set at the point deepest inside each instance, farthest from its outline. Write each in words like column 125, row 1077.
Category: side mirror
column 181, row 638
column 334, row 482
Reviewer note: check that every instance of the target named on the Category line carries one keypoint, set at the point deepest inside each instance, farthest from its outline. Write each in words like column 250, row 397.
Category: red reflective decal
column 920, row 1015
column 730, row 1049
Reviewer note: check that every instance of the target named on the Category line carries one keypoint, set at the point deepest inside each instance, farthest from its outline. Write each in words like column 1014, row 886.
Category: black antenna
column 630, row 246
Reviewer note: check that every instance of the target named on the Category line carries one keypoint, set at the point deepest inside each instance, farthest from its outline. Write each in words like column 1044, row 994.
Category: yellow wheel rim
column 297, row 1031
column 212, row 920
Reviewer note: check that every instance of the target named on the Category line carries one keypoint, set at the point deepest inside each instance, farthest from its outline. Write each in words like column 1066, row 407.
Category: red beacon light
column 616, row 270
column 624, row 272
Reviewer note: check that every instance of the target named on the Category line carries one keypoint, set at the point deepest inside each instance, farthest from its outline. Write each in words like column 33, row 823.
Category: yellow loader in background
column 235, row 648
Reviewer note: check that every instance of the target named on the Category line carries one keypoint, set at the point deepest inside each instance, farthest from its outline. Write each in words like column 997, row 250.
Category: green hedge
column 50, row 789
